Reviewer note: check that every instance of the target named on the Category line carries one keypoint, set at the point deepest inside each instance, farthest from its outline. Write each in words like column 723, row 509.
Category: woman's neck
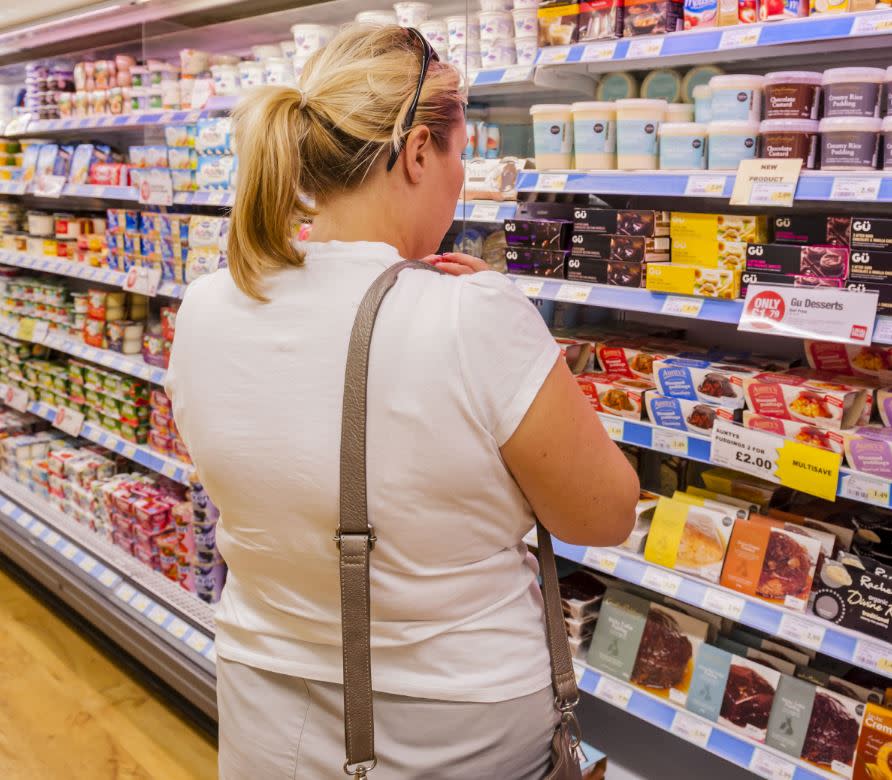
column 365, row 218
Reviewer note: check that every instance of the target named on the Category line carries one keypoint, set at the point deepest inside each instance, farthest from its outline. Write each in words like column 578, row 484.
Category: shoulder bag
column 356, row 540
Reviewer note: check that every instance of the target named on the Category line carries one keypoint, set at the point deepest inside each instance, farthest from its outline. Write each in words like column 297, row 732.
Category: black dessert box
column 621, row 222
column 870, row 265
column 620, row 273
column 812, row 229
column 785, row 280
column 535, row 262
column 538, row 233
column 823, row 262
column 871, row 233
column 884, row 291
column 855, row 598
column 597, row 246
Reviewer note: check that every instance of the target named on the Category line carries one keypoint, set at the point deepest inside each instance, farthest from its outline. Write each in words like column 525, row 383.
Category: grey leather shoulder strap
column 356, row 539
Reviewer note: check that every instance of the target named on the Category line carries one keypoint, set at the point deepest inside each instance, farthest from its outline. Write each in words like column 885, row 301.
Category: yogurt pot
column 679, row 112
column 277, row 70
column 436, row 32
column 730, row 142
column 496, row 24
column 702, row 95
column 288, row 48
column 497, row 53
column 849, row 143
column 853, row 91
column 250, row 74
column 376, row 17
column 526, row 22
column 789, row 139
column 683, row 146
column 527, row 48
column 793, row 94
column 594, row 135
column 309, row 38
column 412, row 14
column 737, row 97
column 638, row 123
column 496, row 5
column 887, row 143
column 40, row 224
column 462, row 29
column 553, row 135
column 226, row 79
column 266, row 50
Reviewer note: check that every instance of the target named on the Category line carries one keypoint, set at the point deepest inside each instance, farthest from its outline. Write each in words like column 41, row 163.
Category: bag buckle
column 370, row 537
column 361, row 770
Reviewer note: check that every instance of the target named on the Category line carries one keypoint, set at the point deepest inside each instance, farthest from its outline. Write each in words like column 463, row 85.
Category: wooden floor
column 67, row 711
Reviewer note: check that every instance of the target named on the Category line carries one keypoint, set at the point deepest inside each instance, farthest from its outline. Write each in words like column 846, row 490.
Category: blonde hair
column 325, row 137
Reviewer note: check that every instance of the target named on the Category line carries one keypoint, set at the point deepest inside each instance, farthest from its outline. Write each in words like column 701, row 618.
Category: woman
column 475, row 423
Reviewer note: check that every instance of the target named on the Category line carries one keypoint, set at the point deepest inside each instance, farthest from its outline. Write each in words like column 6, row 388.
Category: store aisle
column 67, row 711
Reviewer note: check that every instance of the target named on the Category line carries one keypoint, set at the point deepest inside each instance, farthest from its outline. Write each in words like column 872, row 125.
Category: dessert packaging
column 622, row 222
column 790, row 715
column 833, row 731
column 702, row 381
column 873, row 756
column 693, row 280
column 796, row 431
column 708, row 682
column 853, row 359
column 748, row 697
column 629, row 248
column 614, row 393
column 617, row 636
column 811, row 229
column 824, row 262
column 683, row 414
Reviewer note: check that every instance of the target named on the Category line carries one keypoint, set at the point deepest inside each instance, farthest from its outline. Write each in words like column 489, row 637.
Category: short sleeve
column 505, row 350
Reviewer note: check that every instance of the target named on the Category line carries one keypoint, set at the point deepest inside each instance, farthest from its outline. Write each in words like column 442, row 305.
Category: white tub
column 594, row 135
column 731, row 141
column 683, row 146
column 638, row 123
column 553, row 135
column 412, row 14
column 737, row 97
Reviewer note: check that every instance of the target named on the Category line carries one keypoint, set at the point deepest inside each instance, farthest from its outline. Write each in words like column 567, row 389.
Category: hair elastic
column 303, row 98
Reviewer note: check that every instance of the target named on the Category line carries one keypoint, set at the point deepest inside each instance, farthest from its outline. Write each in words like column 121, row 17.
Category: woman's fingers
column 474, row 264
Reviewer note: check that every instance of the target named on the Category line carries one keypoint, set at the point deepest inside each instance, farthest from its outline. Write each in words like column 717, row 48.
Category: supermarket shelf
column 528, row 82
column 40, row 127
column 761, row 760
column 138, row 453
column 840, row 188
column 126, row 364
column 790, row 38
column 488, row 212
column 12, row 187
column 641, row 300
column 801, row 628
column 166, row 629
column 128, row 194
column 639, row 433
column 78, row 271
column 205, row 198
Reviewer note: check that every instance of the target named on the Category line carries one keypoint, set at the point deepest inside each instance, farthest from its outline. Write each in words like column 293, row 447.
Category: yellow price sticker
column 25, row 331
column 809, row 469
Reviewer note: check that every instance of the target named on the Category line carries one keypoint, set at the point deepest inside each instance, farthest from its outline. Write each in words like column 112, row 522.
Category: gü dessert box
column 871, row 233
column 811, row 229
column 870, row 265
column 538, row 233
column 787, row 396
column 677, row 279
column 618, row 273
column 823, row 262
column 620, row 222
column 639, row 249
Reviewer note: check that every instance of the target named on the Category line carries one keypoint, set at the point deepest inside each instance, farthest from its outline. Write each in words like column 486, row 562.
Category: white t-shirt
column 455, row 364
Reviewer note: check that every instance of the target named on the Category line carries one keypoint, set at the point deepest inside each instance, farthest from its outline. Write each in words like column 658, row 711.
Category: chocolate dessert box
column 823, row 262
column 871, row 233
column 738, row 509
column 708, row 682
column 833, row 730
column 668, row 650
column 689, row 538
column 769, row 562
column 870, row 265
column 790, row 715
column 538, row 233
column 620, row 222
column 748, row 698
column 638, row 249
column 856, row 598
column 536, row 262
column 682, row 414
column 873, row 756
column 812, row 229
column 702, row 381
column 617, row 636
column 617, row 273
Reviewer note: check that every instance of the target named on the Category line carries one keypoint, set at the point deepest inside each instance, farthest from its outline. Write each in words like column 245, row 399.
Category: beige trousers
column 276, row 727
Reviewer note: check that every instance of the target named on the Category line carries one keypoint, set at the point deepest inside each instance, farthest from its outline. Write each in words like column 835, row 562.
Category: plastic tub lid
column 594, row 105
column 733, row 126
column 867, row 124
column 848, row 75
column 789, row 125
column 731, row 80
column 658, row 104
column 541, row 108
column 701, row 92
column 683, row 128
column 794, row 77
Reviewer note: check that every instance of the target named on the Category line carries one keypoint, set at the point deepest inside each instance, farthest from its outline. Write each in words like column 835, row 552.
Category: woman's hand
column 457, row 263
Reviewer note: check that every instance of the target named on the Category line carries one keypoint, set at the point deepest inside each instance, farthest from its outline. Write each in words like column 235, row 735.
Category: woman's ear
column 417, row 151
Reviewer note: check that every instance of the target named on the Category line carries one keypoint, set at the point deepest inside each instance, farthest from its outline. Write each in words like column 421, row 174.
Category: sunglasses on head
column 427, row 55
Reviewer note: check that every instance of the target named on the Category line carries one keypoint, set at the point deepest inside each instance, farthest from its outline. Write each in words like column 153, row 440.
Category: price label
column 872, row 24
column 613, row 425
column 705, row 186
column 871, row 656
column 49, row 186
column 129, row 451
column 602, row 560
column 169, row 470
column 198, row 642
column 16, row 398
column 573, row 293
column 770, row 766
column 772, row 194
column 882, row 332
column 766, row 182
column 140, row 603
column 158, row 614
column 125, row 592
column 143, row 280
column 108, row 578
column 530, row 288
column 69, row 551
column 754, row 452
column 25, row 329
column 614, row 692
column 673, row 442
column 645, row 47
column 739, row 37
column 88, row 564
column 682, row 306
column 661, row 581
column 724, row 604
column 862, row 188
column 516, row 73
column 216, row 198
column 484, row 212
column 70, row 421
column 691, row 728
column 550, row 55
column 41, row 331
column 801, row 631
column 598, row 52
column 871, row 490
column 552, row 182
column 579, row 671
column 52, row 539
column 178, row 628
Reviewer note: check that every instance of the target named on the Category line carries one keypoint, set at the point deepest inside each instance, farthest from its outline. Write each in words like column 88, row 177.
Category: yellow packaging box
column 693, row 280
column 715, row 240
